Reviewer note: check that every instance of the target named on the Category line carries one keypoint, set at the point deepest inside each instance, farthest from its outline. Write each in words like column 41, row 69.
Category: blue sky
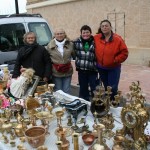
column 8, row 6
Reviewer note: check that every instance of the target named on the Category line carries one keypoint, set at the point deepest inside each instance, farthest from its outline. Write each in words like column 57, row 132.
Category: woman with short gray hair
column 60, row 49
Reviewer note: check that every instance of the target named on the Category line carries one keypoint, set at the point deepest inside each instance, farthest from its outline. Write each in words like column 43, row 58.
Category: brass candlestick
column 50, row 108
column 99, row 145
column 65, row 142
column 108, row 121
column 59, row 114
column 75, row 141
column 100, row 128
column 85, row 126
column 95, row 121
column 118, row 140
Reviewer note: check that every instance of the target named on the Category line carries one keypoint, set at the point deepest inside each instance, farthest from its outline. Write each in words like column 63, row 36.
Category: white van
column 12, row 29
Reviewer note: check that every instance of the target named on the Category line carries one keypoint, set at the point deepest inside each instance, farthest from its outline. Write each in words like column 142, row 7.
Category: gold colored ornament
column 135, row 118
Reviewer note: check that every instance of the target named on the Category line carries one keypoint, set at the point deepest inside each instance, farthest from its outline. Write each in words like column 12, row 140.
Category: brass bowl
column 44, row 115
column 88, row 139
column 35, row 136
column 59, row 113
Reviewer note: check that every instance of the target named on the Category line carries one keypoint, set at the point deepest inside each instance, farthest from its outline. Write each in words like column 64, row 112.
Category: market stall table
column 51, row 139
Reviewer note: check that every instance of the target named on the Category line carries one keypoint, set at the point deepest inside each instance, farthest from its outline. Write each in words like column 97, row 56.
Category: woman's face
column 30, row 39
column 60, row 35
column 85, row 34
column 106, row 28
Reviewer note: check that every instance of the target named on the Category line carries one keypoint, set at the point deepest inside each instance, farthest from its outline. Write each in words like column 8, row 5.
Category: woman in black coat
column 34, row 56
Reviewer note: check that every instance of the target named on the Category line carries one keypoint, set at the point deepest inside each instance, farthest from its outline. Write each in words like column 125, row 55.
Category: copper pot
column 35, row 136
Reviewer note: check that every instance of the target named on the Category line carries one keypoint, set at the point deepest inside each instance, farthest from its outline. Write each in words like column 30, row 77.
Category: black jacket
column 38, row 59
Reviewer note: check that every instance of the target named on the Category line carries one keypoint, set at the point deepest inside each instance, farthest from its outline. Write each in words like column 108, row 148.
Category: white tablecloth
column 52, row 138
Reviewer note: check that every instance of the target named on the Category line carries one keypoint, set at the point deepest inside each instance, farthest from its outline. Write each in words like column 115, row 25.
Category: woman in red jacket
column 110, row 51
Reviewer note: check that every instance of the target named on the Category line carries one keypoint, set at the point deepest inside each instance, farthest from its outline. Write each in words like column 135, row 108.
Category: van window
column 42, row 32
column 11, row 36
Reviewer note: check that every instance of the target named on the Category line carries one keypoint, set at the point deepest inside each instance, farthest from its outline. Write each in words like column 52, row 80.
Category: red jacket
column 110, row 54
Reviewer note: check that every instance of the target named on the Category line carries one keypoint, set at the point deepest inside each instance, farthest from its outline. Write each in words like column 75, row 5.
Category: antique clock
column 129, row 118
column 135, row 117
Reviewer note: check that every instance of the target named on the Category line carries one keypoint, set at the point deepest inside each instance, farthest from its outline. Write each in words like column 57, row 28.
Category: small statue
column 69, row 121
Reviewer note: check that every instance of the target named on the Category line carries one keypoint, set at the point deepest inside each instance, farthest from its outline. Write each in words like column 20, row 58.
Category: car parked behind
column 12, row 29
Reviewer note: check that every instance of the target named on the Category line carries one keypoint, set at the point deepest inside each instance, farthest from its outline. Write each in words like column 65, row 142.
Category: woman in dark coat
column 32, row 55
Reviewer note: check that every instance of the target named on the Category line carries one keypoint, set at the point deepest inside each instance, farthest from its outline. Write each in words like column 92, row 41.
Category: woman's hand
column 22, row 69
column 45, row 79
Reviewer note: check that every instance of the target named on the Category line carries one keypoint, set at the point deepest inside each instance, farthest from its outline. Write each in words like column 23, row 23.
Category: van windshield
column 42, row 31
column 11, row 36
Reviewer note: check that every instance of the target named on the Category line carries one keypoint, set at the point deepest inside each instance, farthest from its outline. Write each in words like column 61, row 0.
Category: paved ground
column 129, row 74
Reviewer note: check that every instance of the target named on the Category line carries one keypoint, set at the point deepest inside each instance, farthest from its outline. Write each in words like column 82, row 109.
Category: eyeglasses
column 60, row 33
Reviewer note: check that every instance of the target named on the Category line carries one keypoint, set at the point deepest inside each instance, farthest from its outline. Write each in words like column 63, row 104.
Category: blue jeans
column 62, row 83
column 110, row 77
column 87, row 79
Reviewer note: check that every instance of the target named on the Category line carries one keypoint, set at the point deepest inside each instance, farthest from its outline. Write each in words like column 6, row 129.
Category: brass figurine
column 69, row 121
